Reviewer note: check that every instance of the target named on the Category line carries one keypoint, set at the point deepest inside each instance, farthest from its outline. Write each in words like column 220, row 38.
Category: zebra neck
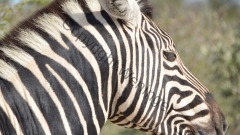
column 61, row 79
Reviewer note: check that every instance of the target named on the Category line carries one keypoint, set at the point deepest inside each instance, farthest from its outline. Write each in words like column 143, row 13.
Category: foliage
column 226, row 59
column 11, row 15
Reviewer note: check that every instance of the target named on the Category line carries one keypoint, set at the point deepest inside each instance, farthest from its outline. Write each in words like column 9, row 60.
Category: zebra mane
column 144, row 5
column 9, row 43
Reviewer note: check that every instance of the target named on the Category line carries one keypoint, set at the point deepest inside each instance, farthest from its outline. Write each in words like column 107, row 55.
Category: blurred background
column 207, row 37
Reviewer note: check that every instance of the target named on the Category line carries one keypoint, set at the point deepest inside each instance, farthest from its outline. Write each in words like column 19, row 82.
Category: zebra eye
column 170, row 56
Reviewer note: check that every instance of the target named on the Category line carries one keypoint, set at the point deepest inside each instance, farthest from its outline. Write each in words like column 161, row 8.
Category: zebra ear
column 127, row 10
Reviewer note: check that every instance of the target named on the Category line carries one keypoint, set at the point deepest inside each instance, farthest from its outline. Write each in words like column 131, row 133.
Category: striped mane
column 11, row 40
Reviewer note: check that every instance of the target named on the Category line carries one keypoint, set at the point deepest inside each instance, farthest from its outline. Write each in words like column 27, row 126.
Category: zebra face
column 165, row 97
column 191, row 108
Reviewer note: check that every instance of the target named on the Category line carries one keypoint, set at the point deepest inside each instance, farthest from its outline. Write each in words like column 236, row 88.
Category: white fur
column 10, row 114
column 93, row 5
column 71, row 95
column 74, row 10
column 17, row 55
column 32, row 40
column 78, row 15
column 54, row 26
column 6, row 70
column 22, row 90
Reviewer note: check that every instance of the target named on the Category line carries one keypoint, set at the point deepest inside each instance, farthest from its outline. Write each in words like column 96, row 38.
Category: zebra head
column 157, row 93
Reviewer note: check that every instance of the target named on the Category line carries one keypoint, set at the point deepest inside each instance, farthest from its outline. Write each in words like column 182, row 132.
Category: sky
column 15, row 1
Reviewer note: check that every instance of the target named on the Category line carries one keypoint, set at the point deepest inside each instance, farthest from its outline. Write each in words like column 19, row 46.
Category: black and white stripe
column 75, row 64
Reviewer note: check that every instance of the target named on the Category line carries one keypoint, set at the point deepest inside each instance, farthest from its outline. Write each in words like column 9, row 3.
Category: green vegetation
column 226, row 59
column 207, row 37
column 11, row 15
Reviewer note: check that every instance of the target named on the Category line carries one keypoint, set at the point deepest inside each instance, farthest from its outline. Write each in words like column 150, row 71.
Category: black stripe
column 131, row 82
column 6, row 127
column 78, row 60
column 104, row 66
column 85, row 68
column 172, row 68
column 67, row 104
column 147, row 92
column 167, row 78
column 114, row 59
column 43, row 100
column 195, row 102
column 25, row 116
column 156, row 89
column 127, row 90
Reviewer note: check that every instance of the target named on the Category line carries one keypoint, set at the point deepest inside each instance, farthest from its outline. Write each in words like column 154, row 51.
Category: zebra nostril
column 200, row 133
column 225, row 126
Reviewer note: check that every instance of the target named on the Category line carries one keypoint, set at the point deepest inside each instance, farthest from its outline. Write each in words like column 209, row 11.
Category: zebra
column 75, row 64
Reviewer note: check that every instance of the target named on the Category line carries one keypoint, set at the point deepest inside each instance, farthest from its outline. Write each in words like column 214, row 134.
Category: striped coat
column 74, row 64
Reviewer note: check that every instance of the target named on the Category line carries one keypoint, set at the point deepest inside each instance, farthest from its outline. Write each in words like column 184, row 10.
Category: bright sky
column 15, row 1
